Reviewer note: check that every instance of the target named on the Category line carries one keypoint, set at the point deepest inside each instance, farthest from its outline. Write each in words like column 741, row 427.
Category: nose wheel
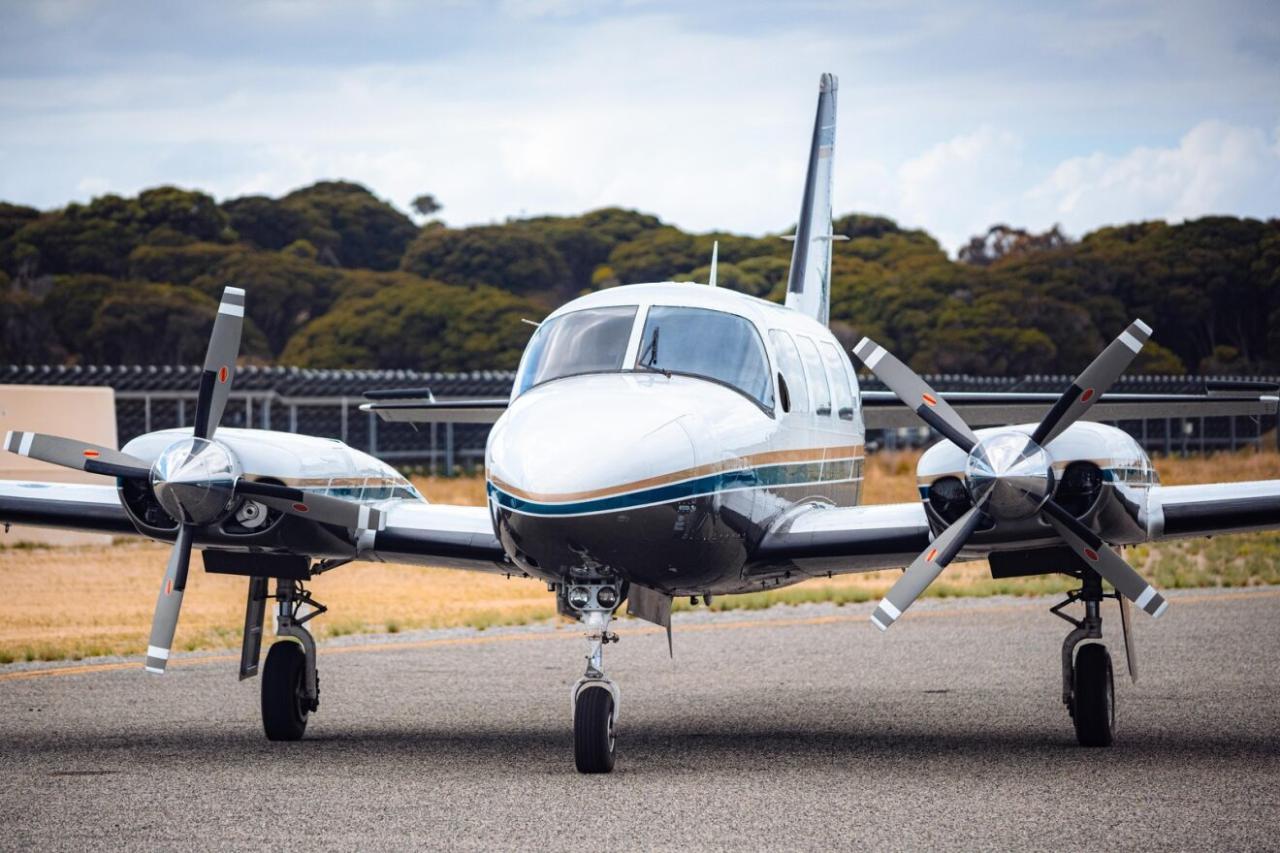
column 593, row 741
column 595, row 697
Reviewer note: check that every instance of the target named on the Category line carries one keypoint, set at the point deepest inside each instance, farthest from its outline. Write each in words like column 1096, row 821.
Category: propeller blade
column 925, row 568
column 321, row 508
column 1102, row 559
column 165, row 621
column 220, row 363
column 72, row 453
column 916, row 393
column 1092, row 383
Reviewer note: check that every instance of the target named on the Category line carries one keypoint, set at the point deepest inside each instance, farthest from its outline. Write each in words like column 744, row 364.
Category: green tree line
column 340, row 278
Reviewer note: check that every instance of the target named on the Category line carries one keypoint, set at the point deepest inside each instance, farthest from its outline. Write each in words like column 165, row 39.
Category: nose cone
column 580, row 444
column 1013, row 473
column 194, row 480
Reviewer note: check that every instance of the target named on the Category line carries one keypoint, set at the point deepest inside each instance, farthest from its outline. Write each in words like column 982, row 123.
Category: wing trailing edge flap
column 820, row 539
column 72, row 506
column 882, row 410
column 439, row 412
column 1211, row 508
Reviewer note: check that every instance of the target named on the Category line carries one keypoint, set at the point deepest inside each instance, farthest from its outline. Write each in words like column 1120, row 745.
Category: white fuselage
column 665, row 477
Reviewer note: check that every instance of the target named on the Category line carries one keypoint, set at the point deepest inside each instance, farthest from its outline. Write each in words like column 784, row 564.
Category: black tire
column 593, row 742
column 284, row 692
column 1093, row 686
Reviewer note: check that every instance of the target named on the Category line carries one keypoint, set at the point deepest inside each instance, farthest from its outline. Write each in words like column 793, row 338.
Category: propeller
column 196, row 479
column 1009, row 475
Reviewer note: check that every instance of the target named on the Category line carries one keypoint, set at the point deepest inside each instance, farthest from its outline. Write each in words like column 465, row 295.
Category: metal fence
column 326, row 403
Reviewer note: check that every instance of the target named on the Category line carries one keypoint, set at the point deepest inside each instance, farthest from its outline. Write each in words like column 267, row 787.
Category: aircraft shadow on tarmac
column 653, row 748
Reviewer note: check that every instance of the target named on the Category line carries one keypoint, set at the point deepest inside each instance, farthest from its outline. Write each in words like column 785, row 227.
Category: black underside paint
column 69, row 514
column 1198, row 518
column 697, row 544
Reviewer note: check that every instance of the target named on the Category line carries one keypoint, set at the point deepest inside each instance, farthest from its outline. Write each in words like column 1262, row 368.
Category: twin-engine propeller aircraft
column 666, row 440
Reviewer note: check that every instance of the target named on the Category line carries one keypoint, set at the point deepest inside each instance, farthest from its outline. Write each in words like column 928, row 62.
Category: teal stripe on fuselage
column 750, row 478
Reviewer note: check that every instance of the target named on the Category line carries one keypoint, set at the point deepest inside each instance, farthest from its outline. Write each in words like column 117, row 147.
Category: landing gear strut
column 1088, row 683
column 290, row 684
column 595, row 697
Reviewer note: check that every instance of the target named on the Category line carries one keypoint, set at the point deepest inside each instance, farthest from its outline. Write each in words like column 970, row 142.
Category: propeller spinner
column 1009, row 475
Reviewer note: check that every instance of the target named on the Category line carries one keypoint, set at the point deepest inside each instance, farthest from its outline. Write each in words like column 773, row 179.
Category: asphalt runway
column 788, row 728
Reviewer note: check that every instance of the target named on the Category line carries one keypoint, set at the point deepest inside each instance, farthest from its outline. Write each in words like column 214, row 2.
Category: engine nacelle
column 1097, row 472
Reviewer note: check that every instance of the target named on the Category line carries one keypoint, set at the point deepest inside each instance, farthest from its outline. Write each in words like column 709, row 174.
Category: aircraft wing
column 77, row 506
column 1212, row 508
column 883, row 410
column 818, row 539
column 459, row 537
column 438, row 411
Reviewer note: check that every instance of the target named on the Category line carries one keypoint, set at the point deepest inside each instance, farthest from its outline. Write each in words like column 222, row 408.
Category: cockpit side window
column 840, row 383
column 819, row 390
column 593, row 340
column 790, row 370
column 712, row 344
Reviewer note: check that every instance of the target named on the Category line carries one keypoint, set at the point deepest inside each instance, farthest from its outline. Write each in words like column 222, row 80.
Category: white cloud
column 1215, row 168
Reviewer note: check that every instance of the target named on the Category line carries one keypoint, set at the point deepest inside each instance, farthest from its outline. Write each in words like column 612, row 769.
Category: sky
column 953, row 115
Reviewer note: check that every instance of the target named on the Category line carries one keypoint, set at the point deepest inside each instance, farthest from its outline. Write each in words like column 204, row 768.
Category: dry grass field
column 62, row 603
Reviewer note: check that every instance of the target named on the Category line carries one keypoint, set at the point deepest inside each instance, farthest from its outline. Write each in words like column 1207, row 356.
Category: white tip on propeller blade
column 73, row 453
column 912, row 390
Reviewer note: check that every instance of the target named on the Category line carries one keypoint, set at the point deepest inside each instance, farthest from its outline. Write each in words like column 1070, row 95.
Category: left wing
column 818, row 539
column 76, row 506
column 1212, row 508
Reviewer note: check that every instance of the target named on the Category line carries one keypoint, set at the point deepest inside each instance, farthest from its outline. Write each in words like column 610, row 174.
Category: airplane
column 666, row 440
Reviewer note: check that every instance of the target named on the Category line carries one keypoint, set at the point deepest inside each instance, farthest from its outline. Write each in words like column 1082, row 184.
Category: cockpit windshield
column 711, row 344
column 593, row 340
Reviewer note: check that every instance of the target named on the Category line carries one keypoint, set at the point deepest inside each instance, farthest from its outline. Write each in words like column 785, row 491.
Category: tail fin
column 809, row 282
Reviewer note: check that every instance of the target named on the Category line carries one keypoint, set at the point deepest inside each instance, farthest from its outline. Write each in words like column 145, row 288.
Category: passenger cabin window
column 709, row 344
column 790, row 370
column 840, row 381
column 593, row 340
column 819, row 390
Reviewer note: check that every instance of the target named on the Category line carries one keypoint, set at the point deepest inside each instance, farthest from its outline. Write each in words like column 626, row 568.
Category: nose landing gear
column 1088, row 682
column 595, row 697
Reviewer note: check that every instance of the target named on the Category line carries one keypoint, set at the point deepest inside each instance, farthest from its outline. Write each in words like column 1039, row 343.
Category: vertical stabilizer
column 809, row 282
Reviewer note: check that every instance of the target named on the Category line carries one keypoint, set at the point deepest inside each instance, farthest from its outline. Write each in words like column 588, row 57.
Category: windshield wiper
column 649, row 356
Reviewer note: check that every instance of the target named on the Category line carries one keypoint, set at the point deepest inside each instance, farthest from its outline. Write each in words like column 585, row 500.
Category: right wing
column 456, row 537
column 817, row 539
column 75, row 506
column 440, row 412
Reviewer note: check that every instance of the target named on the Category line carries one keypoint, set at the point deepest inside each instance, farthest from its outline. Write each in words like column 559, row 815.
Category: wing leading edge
column 819, row 539
column 74, row 506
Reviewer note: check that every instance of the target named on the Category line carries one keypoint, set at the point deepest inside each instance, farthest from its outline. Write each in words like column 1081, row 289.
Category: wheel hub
column 1012, row 473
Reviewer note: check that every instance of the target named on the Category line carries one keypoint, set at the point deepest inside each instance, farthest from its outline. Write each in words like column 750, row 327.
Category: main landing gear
column 290, row 683
column 595, row 697
column 1088, row 681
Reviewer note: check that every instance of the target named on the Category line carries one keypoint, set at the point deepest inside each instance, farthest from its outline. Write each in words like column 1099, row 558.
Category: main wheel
column 593, row 744
column 284, row 692
column 1094, row 709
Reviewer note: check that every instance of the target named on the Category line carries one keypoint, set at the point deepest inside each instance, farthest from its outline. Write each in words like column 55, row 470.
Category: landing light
column 606, row 596
column 579, row 597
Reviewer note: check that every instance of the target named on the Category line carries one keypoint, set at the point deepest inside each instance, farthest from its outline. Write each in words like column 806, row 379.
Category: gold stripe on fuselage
column 809, row 455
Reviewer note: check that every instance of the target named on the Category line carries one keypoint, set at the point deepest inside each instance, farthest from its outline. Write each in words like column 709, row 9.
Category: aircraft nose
column 563, row 452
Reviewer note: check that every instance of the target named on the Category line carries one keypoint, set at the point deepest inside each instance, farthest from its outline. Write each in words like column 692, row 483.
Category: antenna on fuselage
column 715, row 258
